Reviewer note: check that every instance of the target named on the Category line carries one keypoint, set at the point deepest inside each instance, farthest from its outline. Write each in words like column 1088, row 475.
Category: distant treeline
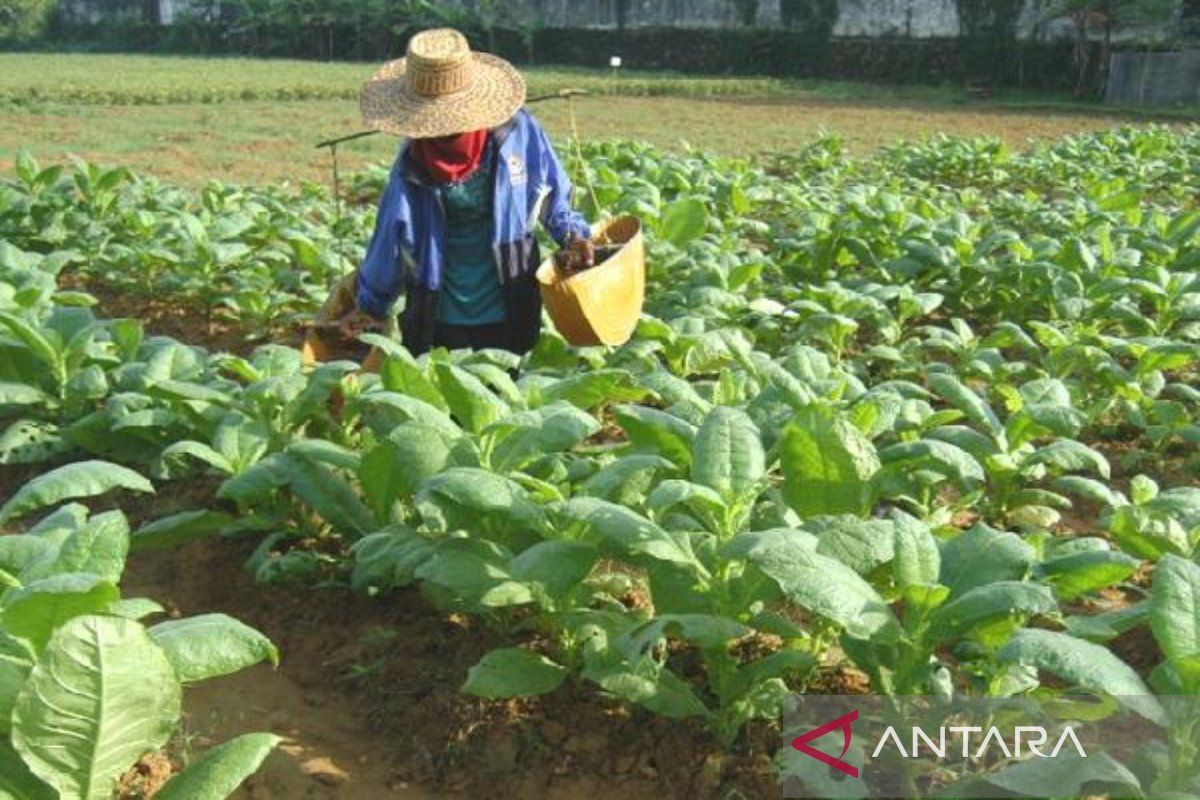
column 987, row 54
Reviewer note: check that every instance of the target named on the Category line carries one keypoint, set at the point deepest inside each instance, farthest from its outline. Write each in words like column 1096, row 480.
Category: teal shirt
column 471, row 293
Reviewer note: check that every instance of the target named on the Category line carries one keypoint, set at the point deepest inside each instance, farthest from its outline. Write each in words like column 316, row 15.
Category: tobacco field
column 922, row 423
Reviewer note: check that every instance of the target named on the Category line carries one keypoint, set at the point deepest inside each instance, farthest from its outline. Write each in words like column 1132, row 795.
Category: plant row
column 930, row 417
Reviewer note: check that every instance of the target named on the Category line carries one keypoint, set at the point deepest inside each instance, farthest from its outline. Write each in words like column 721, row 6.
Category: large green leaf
column 528, row 435
column 38, row 344
column 197, row 450
column 82, row 479
column 1175, row 608
column 1086, row 665
column 556, row 566
column 1070, row 775
column 628, row 533
column 1069, row 455
column 683, row 221
column 388, row 558
column 101, row 696
column 821, row 584
column 1143, row 532
column 1086, row 571
column 1090, row 489
column 396, row 467
column 986, row 603
column 465, row 572
column 34, row 611
column 694, row 497
column 323, row 451
column 16, row 781
column 219, row 772
column 176, row 529
column 402, row 374
column 329, row 495
column 19, row 551
column 465, row 498
column 97, row 547
column 980, row 556
column 937, row 456
column 974, row 407
column 1108, row 625
column 917, row 560
column 16, row 660
column 626, row 480
column 31, row 442
column 513, row 672
column 211, row 645
column 242, row 441
column 727, row 454
column 655, row 431
column 703, row 630
column 652, row 686
column 385, row 410
column 20, row 394
column 861, row 544
column 258, row 481
column 827, row 465
column 473, row 404
column 593, row 388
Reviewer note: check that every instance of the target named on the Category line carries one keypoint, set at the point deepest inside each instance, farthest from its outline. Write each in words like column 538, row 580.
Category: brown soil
column 367, row 698
column 269, row 142
column 146, row 778
column 1138, row 649
column 175, row 317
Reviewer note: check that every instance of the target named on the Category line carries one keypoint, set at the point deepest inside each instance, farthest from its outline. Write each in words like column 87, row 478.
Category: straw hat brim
column 495, row 95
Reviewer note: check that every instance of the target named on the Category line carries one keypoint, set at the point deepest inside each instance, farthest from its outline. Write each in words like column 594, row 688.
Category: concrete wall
column 640, row 13
column 907, row 18
column 1154, row 79
column 919, row 19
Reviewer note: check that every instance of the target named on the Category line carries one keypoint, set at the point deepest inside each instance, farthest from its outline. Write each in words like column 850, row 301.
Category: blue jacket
column 407, row 251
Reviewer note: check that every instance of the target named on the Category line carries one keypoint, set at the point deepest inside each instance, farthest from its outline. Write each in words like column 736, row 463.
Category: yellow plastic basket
column 600, row 305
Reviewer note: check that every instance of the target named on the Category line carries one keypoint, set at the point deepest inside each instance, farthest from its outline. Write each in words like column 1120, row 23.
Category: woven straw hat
column 441, row 88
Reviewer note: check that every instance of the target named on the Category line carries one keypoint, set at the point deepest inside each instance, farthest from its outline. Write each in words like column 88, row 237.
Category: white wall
column 916, row 18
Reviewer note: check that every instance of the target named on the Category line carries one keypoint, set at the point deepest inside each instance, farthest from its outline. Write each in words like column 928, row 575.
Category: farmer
column 455, row 232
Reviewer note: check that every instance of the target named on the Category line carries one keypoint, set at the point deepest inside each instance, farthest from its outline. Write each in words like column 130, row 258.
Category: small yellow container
column 600, row 305
column 323, row 340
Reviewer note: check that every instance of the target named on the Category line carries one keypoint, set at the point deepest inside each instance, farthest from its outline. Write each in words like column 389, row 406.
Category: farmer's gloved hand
column 578, row 254
column 358, row 322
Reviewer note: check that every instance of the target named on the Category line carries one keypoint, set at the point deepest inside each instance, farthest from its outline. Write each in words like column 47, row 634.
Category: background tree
column 809, row 14
column 988, row 38
column 1148, row 20
column 24, row 19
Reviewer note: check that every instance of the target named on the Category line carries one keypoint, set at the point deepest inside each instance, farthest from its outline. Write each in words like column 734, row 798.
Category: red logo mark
column 843, row 722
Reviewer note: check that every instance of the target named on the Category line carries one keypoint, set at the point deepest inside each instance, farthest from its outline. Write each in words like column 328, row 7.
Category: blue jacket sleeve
column 557, row 215
column 380, row 276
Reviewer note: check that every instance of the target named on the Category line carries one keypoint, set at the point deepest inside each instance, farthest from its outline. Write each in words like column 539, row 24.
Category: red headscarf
column 450, row 158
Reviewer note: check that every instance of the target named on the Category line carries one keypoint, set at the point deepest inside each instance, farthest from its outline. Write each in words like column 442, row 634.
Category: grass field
column 192, row 119
column 105, row 79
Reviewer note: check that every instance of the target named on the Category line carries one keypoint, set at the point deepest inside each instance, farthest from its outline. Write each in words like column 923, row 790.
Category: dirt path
column 327, row 753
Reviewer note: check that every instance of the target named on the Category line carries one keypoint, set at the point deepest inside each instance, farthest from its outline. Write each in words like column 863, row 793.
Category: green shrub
column 23, row 19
